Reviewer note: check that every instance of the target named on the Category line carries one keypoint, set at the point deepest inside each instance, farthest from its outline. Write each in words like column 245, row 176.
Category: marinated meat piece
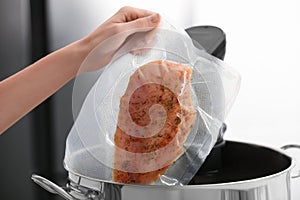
column 156, row 115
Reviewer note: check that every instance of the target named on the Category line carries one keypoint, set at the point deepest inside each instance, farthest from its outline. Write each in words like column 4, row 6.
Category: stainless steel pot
column 233, row 171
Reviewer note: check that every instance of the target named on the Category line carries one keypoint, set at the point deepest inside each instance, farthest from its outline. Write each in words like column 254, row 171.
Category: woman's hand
column 24, row 90
column 110, row 36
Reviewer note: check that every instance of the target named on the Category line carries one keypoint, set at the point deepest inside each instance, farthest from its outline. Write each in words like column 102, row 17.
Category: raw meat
column 156, row 115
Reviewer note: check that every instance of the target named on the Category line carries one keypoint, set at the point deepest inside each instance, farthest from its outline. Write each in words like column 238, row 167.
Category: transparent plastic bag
column 154, row 113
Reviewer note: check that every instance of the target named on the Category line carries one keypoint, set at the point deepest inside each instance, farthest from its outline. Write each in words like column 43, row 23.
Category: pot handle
column 51, row 187
column 292, row 146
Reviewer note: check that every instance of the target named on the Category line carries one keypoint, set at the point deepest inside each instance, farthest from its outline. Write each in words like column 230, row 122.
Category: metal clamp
column 65, row 192
column 51, row 187
column 292, row 146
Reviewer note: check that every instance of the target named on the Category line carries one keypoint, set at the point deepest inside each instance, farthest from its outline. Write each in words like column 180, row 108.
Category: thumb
column 146, row 23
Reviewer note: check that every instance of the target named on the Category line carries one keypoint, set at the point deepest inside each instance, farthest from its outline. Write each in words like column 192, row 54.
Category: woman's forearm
column 39, row 81
column 23, row 91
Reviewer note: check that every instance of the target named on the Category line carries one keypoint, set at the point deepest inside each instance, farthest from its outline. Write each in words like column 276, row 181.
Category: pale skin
column 23, row 91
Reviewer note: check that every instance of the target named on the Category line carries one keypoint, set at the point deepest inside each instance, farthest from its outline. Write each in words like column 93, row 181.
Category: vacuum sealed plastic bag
column 153, row 114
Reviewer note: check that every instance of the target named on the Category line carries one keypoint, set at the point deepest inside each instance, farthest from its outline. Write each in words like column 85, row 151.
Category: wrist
column 82, row 48
column 90, row 41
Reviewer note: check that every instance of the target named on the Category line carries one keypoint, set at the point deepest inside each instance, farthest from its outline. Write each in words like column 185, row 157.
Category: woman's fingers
column 144, row 22
column 128, row 14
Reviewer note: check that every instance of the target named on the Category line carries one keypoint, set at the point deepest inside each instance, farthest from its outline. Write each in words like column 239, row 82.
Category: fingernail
column 155, row 18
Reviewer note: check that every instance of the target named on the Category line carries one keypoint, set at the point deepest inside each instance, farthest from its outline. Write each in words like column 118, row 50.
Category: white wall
column 264, row 46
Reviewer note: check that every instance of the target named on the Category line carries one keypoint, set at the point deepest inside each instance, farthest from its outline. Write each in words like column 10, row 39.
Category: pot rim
column 255, row 181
